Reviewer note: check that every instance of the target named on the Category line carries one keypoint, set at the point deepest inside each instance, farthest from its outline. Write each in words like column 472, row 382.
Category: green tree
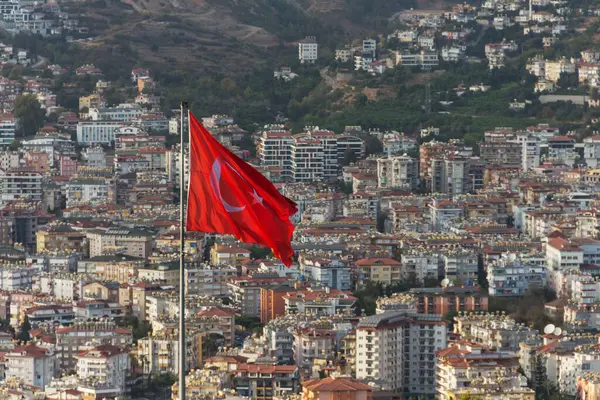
column 257, row 252
column 30, row 114
column 14, row 145
column 349, row 158
column 24, row 335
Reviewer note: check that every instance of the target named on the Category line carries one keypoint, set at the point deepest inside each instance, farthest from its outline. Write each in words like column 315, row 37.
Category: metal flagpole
column 182, row 363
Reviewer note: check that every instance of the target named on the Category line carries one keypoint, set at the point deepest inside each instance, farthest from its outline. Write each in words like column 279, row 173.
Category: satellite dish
column 558, row 331
column 445, row 282
column 549, row 329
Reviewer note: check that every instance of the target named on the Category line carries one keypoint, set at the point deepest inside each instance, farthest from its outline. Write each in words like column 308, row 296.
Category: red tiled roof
column 336, row 385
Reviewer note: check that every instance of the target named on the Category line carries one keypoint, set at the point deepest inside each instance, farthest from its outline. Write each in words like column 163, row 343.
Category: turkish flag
column 227, row 195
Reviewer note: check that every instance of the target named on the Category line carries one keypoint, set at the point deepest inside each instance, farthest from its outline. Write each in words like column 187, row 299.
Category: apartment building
column 508, row 154
column 245, row 291
column 493, row 331
column 266, row 381
column 160, row 351
column 31, row 364
column 8, row 128
column 106, row 364
column 308, row 156
column 272, row 304
column 450, row 175
column 318, row 301
column 97, row 132
column 379, row 270
column 325, row 271
column 122, row 113
column 20, row 183
column 209, row 280
column 308, row 159
column 308, row 50
column 450, row 299
column 90, row 190
column 514, row 277
column 132, row 242
column 312, row 344
column 398, row 172
column 470, row 366
column 60, row 237
column 554, row 69
column 397, row 350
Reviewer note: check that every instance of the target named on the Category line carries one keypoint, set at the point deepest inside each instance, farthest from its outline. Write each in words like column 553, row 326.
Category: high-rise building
column 397, row 350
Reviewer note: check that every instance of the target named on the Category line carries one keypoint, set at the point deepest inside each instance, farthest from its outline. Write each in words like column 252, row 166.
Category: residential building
column 272, row 304
column 60, row 237
column 308, row 50
column 555, row 69
column 8, row 128
column 245, row 291
column 493, row 331
column 209, row 280
column 20, row 184
column 318, row 301
column 450, row 299
column 311, row 344
column 424, row 59
column 514, row 277
column 105, row 364
column 161, row 351
column 31, row 364
column 90, row 190
column 379, row 270
column 397, row 350
column 76, row 338
column 97, row 132
column 591, row 151
column 398, row 172
column 121, row 113
column 333, row 273
column 132, row 242
column 470, row 365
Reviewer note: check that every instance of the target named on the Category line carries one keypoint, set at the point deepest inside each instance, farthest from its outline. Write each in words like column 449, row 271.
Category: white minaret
column 530, row 9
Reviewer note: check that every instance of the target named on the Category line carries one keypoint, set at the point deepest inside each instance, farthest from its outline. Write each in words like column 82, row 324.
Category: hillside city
column 447, row 247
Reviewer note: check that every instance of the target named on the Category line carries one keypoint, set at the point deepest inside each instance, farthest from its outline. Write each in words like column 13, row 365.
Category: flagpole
column 182, row 363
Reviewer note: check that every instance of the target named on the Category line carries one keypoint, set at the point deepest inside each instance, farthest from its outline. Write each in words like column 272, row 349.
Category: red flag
column 227, row 195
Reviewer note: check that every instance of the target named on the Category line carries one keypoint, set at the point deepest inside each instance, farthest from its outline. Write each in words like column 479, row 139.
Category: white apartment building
column 309, row 156
column 16, row 276
column 328, row 272
column 121, row 113
column 397, row 350
column 274, row 150
column 591, row 151
column 107, row 364
column 8, row 127
column 513, row 277
column 20, row 183
column 424, row 59
column 467, row 366
column 97, row 132
column 401, row 172
column 90, row 190
column 308, row 160
column 161, row 355
column 369, row 46
column 308, row 50
column 31, row 364
column 589, row 74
